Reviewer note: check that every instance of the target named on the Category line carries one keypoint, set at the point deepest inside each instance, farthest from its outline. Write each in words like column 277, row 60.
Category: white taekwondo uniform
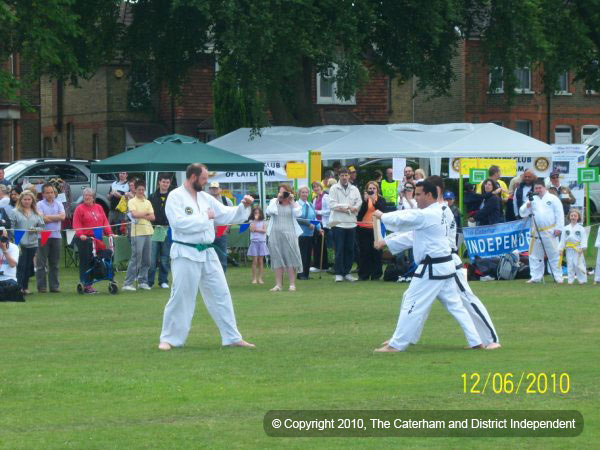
column 198, row 270
column 433, row 278
column 549, row 216
column 574, row 240
column 399, row 242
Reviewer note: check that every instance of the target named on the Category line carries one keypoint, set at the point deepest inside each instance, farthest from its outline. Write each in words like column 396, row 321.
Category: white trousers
column 536, row 258
column 417, row 302
column 576, row 266
column 476, row 309
column 597, row 270
column 189, row 277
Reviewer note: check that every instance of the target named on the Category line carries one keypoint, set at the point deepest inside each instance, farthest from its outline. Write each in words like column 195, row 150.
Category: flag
column 18, row 236
column 382, row 229
column 221, row 230
column 315, row 222
column 44, row 237
column 169, row 234
column 70, row 236
column 98, row 233
column 244, row 227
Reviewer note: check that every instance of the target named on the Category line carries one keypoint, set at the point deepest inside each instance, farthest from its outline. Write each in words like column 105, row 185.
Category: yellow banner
column 315, row 166
column 295, row 170
column 508, row 167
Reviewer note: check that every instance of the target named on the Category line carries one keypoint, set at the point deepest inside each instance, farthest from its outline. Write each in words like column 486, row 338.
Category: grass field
column 84, row 372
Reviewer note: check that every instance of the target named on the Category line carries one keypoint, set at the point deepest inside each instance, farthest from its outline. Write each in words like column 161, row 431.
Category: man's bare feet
column 260, row 281
column 385, row 343
column 493, row 346
column 165, row 346
column 254, row 281
column 241, row 343
column 386, row 349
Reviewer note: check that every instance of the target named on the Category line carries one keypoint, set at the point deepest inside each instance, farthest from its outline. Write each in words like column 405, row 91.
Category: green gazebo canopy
column 174, row 153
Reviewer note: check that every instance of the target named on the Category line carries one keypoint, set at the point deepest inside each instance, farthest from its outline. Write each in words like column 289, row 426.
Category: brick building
column 574, row 113
column 20, row 126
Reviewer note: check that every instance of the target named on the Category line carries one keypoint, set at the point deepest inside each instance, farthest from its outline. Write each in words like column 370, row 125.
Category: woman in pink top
column 88, row 215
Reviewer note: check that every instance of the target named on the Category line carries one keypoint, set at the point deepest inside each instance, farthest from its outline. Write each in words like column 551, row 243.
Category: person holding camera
column 547, row 213
column 9, row 257
column 283, row 232
column 369, row 266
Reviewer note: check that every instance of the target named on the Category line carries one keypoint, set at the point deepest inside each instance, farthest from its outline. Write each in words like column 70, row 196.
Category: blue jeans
column 159, row 256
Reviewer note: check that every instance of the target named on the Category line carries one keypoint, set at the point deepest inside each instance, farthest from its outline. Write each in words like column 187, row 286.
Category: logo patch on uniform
column 568, row 232
column 578, row 233
column 549, row 203
column 189, row 211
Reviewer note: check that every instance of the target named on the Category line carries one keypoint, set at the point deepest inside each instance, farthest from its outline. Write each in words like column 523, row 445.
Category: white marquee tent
column 384, row 141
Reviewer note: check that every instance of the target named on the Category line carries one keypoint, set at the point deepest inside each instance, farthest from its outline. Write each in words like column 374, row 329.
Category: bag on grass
column 10, row 292
column 508, row 267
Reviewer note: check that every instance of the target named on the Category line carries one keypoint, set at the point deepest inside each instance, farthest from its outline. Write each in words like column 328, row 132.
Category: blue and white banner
column 496, row 240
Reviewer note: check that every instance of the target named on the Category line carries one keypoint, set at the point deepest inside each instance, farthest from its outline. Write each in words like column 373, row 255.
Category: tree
column 66, row 39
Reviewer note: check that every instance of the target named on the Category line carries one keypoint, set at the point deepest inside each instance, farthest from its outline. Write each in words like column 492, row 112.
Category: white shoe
column 144, row 286
column 534, row 281
column 486, row 278
column 349, row 278
column 164, row 285
column 339, row 278
column 128, row 288
column 314, row 270
column 401, row 279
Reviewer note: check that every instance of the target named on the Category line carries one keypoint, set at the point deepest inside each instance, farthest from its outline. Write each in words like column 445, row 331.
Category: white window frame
column 527, row 90
column 96, row 146
column 588, row 127
column 334, row 99
column 566, row 90
column 528, row 126
column 556, row 127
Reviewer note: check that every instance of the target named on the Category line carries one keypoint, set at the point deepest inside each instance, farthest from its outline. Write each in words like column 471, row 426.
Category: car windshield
column 13, row 170
column 595, row 162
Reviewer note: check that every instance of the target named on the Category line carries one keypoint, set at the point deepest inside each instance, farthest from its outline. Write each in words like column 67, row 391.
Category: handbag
column 122, row 205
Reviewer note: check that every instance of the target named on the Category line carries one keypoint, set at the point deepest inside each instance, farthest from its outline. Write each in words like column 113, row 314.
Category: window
column 327, row 89
column 70, row 140
column 587, row 131
column 523, row 76
column 496, row 84
column 523, row 126
column 563, row 134
column 563, row 84
column 95, row 146
column 67, row 172
column 13, row 140
column 12, row 62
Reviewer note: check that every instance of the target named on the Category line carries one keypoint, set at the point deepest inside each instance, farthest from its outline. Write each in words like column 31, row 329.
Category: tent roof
column 174, row 153
column 593, row 139
column 383, row 141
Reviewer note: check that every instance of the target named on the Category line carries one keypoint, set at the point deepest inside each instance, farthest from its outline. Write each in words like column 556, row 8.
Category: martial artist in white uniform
column 573, row 241
column 192, row 216
column 399, row 242
column 549, row 216
column 435, row 273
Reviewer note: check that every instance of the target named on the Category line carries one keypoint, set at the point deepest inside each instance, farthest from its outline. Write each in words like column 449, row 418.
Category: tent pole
column 261, row 189
column 460, row 188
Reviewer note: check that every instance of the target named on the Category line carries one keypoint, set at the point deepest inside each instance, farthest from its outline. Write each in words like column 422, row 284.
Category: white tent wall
column 400, row 140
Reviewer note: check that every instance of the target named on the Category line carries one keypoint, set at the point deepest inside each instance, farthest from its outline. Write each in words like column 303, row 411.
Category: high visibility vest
column 389, row 191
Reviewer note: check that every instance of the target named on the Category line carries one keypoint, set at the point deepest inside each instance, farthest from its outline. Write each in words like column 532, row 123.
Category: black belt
column 429, row 262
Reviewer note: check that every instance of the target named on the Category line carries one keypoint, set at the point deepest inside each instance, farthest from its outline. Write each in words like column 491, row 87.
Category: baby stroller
column 101, row 268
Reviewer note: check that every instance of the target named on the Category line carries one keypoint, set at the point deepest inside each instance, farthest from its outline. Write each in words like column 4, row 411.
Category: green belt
column 202, row 247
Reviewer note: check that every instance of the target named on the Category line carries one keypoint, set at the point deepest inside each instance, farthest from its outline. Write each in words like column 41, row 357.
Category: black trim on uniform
column 476, row 309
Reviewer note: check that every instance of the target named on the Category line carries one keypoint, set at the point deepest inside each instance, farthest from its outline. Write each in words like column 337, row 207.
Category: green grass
column 84, row 372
